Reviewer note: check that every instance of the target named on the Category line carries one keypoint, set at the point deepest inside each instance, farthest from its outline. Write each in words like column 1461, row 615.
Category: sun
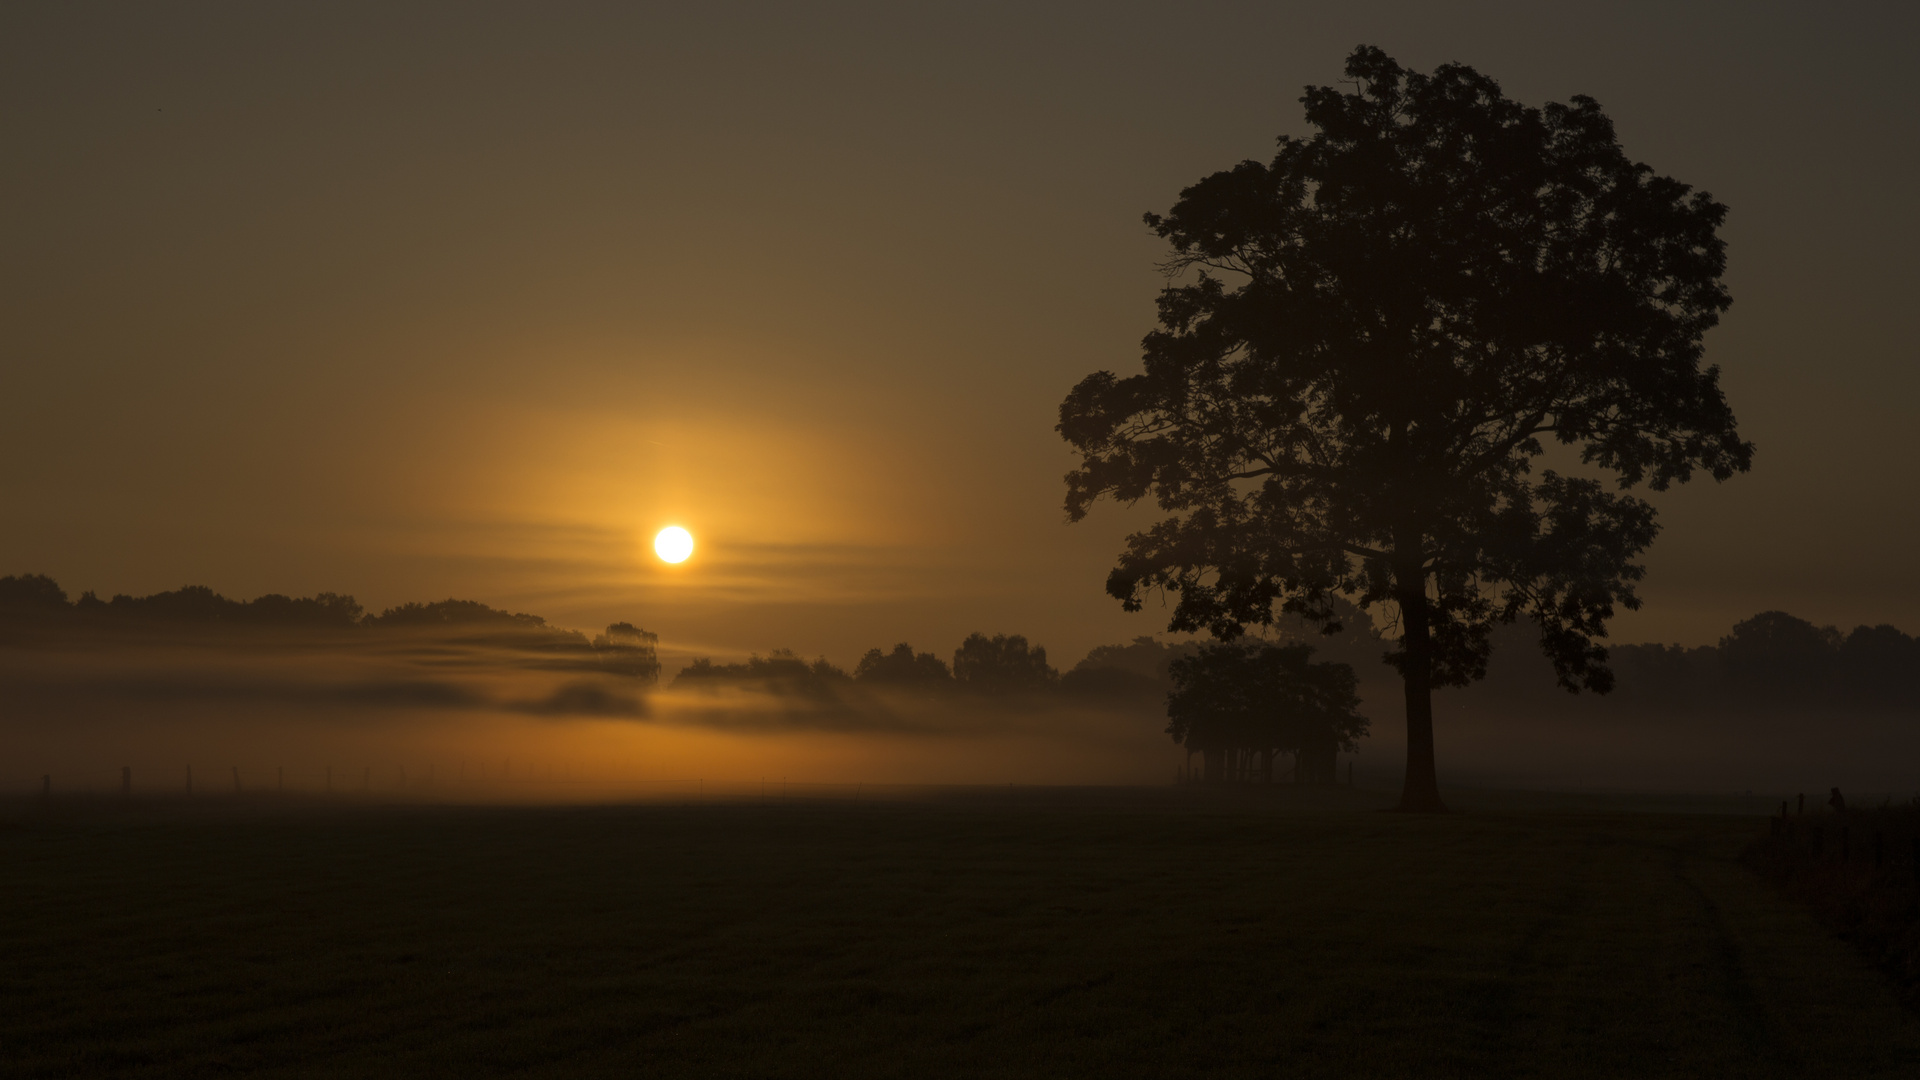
column 673, row 544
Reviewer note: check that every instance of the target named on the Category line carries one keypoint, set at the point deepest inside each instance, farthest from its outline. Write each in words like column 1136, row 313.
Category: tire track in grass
column 1759, row 1036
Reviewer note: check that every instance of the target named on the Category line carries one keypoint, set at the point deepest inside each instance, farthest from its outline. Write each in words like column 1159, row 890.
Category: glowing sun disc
column 673, row 544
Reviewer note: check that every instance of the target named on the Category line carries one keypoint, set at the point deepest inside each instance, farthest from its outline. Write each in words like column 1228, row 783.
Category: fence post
column 46, row 787
column 126, row 780
column 236, row 779
column 189, row 779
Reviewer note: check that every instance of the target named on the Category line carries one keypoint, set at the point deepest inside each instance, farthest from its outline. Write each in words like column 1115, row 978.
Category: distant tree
column 628, row 650
column 1144, row 656
column 1001, row 662
column 781, row 670
column 31, row 594
column 1424, row 292
column 625, row 635
column 326, row 609
column 902, row 666
column 452, row 613
column 1136, row 671
column 189, row 604
column 1776, row 653
column 1256, row 699
column 1881, row 665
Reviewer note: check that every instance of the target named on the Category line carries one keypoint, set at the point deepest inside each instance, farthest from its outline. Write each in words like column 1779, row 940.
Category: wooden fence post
column 126, row 780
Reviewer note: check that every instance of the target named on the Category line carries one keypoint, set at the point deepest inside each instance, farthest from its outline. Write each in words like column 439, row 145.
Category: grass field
column 989, row 933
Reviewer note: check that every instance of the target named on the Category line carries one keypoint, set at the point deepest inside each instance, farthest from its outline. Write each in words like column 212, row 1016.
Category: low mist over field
column 457, row 700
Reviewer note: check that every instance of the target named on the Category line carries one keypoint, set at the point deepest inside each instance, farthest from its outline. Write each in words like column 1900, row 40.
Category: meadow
column 964, row 932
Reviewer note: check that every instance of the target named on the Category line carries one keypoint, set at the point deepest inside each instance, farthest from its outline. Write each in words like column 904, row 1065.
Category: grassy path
column 1152, row 934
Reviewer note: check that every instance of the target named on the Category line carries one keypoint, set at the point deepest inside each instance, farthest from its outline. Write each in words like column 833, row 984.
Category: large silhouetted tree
column 1369, row 342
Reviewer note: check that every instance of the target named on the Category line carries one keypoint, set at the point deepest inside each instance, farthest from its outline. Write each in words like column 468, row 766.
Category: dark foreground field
column 1157, row 934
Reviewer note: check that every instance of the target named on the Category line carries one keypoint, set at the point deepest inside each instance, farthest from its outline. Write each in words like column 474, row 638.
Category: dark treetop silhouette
column 1422, row 292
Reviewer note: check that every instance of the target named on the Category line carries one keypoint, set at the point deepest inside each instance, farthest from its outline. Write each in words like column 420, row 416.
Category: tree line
column 1002, row 663
column 35, row 603
column 1773, row 660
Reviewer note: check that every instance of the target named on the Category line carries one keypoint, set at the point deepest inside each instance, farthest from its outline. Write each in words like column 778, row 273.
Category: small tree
column 1422, row 294
column 1264, row 699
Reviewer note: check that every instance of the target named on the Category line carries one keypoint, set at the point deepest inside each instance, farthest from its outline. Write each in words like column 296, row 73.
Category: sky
column 412, row 300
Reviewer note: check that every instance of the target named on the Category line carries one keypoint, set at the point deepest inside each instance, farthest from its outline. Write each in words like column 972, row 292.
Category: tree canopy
column 1365, row 346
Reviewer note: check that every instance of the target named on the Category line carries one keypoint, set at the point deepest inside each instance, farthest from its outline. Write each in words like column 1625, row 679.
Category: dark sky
column 416, row 300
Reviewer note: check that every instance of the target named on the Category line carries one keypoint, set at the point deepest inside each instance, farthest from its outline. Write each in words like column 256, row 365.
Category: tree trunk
column 1421, row 790
column 1214, row 760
